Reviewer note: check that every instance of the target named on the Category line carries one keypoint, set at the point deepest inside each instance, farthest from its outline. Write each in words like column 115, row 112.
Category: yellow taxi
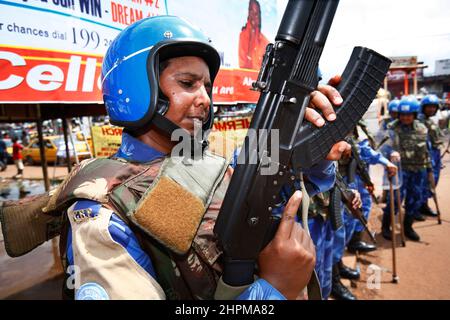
column 55, row 150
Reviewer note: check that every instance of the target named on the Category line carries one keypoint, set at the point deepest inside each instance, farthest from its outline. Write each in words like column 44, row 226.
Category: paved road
column 422, row 266
column 34, row 172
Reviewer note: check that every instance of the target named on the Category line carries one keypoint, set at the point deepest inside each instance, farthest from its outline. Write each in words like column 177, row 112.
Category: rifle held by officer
column 347, row 199
column 287, row 77
column 361, row 169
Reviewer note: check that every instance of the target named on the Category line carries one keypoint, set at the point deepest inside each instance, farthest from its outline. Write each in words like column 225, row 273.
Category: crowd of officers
column 409, row 142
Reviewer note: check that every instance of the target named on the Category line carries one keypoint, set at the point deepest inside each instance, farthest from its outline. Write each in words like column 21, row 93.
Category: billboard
column 442, row 67
column 51, row 51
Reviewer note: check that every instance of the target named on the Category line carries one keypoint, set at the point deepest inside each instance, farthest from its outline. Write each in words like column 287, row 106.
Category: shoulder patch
column 85, row 209
column 91, row 291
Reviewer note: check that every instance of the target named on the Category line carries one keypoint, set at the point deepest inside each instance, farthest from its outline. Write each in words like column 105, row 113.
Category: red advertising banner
column 234, row 85
column 33, row 75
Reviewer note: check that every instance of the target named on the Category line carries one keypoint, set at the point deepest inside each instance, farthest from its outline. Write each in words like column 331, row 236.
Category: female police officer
column 157, row 77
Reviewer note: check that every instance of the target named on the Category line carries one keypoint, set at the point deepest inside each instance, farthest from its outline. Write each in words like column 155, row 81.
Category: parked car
column 54, row 150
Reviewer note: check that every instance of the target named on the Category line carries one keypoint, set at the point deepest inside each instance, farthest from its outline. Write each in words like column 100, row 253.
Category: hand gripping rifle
column 287, row 77
column 347, row 198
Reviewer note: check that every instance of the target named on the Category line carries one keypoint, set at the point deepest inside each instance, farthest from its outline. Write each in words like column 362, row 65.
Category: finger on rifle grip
column 288, row 219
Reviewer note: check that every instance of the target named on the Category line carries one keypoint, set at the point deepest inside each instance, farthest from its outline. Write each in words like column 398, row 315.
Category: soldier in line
column 408, row 137
column 369, row 157
column 393, row 114
column 350, row 235
column 430, row 105
column 323, row 227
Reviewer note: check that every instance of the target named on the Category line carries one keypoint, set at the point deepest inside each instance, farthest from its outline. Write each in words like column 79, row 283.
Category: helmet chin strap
column 197, row 143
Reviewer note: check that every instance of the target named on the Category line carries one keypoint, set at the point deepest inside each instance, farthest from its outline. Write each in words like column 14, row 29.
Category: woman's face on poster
column 253, row 14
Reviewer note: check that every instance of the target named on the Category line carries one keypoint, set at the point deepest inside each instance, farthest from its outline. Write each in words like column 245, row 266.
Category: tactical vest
column 412, row 145
column 119, row 186
column 434, row 133
column 319, row 205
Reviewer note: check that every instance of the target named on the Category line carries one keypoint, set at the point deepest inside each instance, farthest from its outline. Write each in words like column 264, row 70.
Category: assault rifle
column 286, row 79
column 347, row 198
column 360, row 167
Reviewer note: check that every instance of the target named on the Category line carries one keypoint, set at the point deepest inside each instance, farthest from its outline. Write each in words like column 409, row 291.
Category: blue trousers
column 322, row 236
column 413, row 191
column 436, row 167
column 436, row 163
column 343, row 235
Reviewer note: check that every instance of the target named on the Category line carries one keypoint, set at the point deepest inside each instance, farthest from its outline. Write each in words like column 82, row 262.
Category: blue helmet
column 409, row 105
column 393, row 105
column 430, row 100
column 130, row 71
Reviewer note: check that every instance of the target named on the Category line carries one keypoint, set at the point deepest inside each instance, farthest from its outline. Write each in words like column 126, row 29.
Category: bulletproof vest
column 434, row 133
column 119, row 186
column 411, row 143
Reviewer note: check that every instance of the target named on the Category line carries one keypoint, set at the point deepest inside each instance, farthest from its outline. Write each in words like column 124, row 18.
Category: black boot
column 347, row 272
column 385, row 227
column 338, row 290
column 356, row 244
column 409, row 231
column 426, row 210
column 419, row 217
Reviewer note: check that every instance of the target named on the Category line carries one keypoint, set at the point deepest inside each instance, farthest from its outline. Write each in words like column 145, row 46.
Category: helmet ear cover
column 161, row 52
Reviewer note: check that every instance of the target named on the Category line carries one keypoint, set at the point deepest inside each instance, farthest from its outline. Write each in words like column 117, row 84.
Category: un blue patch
column 91, row 291
column 85, row 210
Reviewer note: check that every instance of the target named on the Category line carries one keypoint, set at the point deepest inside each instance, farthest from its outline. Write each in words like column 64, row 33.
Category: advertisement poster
column 106, row 140
column 51, row 51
